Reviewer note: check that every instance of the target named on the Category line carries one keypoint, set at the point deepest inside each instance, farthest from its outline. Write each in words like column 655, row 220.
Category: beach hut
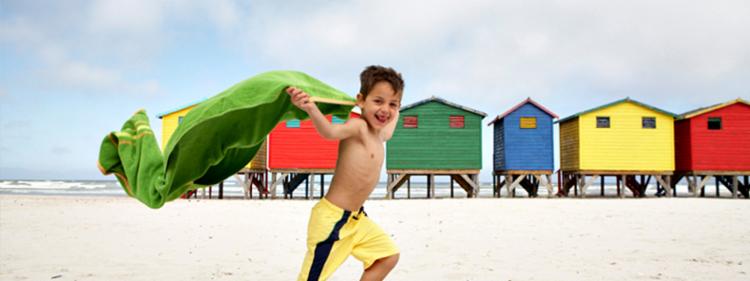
column 293, row 153
column 523, row 152
column 435, row 137
column 714, row 141
column 254, row 172
column 297, row 154
column 627, row 139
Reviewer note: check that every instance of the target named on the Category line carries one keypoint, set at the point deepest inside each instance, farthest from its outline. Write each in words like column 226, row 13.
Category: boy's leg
column 318, row 266
column 375, row 249
column 380, row 269
column 328, row 241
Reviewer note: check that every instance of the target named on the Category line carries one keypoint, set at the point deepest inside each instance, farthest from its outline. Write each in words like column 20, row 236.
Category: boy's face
column 380, row 106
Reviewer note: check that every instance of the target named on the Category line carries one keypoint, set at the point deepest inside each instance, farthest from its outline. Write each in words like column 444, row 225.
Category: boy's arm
column 322, row 125
column 387, row 131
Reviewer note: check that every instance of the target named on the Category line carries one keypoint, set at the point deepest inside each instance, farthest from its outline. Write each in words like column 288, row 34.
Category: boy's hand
column 300, row 99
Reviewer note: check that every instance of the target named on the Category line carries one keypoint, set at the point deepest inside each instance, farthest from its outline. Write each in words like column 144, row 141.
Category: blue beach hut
column 523, row 148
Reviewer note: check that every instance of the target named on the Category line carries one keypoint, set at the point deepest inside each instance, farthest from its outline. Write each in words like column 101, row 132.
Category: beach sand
column 118, row 238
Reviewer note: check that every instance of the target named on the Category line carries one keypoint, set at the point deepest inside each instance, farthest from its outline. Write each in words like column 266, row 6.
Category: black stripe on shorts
column 323, row 249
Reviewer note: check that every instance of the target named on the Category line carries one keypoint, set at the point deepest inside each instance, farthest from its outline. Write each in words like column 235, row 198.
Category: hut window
column 179, row 119
column 410, row 122
column 336, row 120
column 649, row 122
column 457, row 121
column 528, row 122
column 602, row 122
column 293, row 123
column 714, row 123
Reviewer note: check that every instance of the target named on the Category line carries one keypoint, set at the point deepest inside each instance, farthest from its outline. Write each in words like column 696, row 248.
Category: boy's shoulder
column 356, row 121
column 357, row 124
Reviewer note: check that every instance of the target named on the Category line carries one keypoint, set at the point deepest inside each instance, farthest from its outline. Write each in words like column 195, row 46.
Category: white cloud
column 490, row 52
column 125, row 17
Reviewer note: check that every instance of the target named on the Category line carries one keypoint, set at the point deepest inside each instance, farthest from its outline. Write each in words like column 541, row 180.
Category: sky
column 72, row 71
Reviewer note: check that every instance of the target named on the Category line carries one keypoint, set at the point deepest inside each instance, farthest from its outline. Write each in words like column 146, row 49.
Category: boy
column 338, row 225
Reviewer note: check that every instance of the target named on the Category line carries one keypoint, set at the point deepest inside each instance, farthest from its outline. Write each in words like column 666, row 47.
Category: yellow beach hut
column 255, row 171
column 627, row 139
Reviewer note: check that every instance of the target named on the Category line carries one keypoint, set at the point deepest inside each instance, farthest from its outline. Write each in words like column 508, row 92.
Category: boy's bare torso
column 357, row 170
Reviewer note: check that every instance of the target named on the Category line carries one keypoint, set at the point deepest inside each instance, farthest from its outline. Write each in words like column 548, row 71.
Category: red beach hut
column 297, row 153
column 714, row 141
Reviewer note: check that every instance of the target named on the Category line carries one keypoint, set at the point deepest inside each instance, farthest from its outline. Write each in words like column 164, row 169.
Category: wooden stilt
column 694, row 184
column 243, row 183
column 621, row 193
column 431, row 185
column 602, row 188
column 389, row 187
column 285, row 183
column 659, row 188
column 734, row 187
column 221, row 190
column 494, row 185
column 664, row 182
column 717, row 186
column 451, row 187
column 322, row 185
column 585, row 185
column 508, row 183
column 250, row 185
column 408, row 188
column 668, row 186
column 307, row 188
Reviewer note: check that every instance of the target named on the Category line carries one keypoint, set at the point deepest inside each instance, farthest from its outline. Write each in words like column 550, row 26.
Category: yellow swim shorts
column 334, row 233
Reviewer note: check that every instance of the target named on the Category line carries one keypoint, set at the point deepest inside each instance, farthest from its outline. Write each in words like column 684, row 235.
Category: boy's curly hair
column 376, row 73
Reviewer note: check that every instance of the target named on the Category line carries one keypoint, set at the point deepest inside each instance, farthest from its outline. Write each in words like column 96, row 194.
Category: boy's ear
column 360, row 99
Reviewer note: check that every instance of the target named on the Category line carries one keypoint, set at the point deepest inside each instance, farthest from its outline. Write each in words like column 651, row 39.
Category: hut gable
column 711, row 138
column 625, row 135
column 429, row 136
column 524, row 138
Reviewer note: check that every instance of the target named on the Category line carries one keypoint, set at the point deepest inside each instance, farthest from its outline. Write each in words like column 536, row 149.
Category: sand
column 117, row 238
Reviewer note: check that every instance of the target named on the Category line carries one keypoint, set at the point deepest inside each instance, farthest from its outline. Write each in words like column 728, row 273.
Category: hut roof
column 628, row 99
column 443, row 101
column 528, row 100
column 702, row 110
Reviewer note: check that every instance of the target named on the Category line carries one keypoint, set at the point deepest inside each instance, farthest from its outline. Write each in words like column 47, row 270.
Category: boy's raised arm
column 322, row 125
column 387, row 131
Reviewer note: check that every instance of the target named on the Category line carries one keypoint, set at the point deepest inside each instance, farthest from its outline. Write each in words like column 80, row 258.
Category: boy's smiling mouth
column 381, row 118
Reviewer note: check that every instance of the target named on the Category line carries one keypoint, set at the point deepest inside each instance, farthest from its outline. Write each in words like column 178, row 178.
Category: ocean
column 232, row 189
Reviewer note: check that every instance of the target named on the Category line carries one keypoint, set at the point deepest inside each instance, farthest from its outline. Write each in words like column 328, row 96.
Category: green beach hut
column 435, row 137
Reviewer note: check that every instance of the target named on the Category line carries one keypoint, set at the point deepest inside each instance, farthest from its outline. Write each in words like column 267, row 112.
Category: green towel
column 214, row 140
